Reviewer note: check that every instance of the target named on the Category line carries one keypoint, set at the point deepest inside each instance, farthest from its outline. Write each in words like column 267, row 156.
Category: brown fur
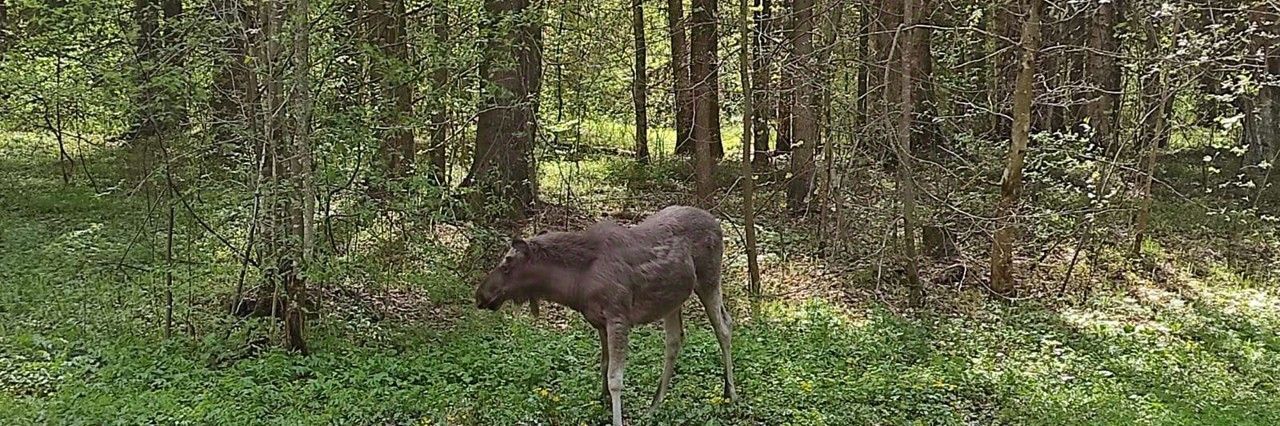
column 618, row 277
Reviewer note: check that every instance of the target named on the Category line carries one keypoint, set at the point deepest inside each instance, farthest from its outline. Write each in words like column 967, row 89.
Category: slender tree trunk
column 231, row 91
column 785, row 97
column 825, row 143
column 145, row 126
column 1104, row 47
column 4, row 28
column 865, row 70
column 173, row 56
column 299, row 165
column 640, row 83
column 397, row 147
column 272, row 151
column 680, row 76
column 704, row 75
column 906, row 118
column 168, row 273
column 352, row 37
column 438, row 151
column 157, row 55
column 1157, row 105
column 748, row 121
column 1075, row 33
column 761, row 66
column 1154, row 130
column 511, row 76
column 704, row 79
column 1003, row 69
column 804, row 117
column 1011, row 183
column 928, row 136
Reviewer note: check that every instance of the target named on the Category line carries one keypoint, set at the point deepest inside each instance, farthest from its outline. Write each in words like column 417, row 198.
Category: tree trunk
column 704, row 75
column 804, row 128
column 1104, row 47
column 271, row 166
column 784, row 97
column 351, row 38
column 396, row 101
column 438, row 151
column 232, row 94
column 4, row 28
column 864, row 70
column 905, row 174
column 511, row 76
column 1003, row 68
column 761, row 67
column 680, row 76
column 1158, row 105
column 299, row 169
column 749, row 121
column 152, row 118
column 928, row 136
column 1011, row 183
column 640, row 83
column 1075, row 32
column 702, row 33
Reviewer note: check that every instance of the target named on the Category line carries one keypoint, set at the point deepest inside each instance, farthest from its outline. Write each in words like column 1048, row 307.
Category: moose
column 619, row 277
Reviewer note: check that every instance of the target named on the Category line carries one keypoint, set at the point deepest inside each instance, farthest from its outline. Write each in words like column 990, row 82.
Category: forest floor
column 82, row 299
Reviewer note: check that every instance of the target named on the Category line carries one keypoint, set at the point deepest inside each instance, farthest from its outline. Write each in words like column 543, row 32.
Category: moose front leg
column 617, row 339
column 604, row 367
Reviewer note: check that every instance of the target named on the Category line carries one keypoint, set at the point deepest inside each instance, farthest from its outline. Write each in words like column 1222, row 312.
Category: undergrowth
column 1185, row 335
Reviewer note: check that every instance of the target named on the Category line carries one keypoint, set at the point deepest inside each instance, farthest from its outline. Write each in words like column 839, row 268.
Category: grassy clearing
column 81, row 343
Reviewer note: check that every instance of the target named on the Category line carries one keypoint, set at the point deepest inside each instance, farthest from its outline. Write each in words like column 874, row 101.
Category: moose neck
column 555, row 283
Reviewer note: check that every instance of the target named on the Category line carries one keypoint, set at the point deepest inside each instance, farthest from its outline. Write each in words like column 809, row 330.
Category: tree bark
column 1261, row 133
column 232, row 94
column 761, row 67
column 157, row 55
column 704, row 75
column 640, row 83
column 507, row 128
column 928, row 136
column 396, row 84
column 1105, row 70
column 1003, row 69
column 864, row 70
column 438, row 151
column 804, row 128
column 784, row 97
column 749, row 121
column 299, row 168
column 905, row 174
column 4, row 28
column 680, row 76
column 1158, row 105
column 1011, row 183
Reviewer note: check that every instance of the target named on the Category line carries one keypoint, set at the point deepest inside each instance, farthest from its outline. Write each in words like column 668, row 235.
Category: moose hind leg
column 617, row 337
column 673, row 327
column 720, row 324
column 604, row 367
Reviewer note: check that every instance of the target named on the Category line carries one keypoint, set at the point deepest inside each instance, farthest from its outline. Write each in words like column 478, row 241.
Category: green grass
column 81, row 343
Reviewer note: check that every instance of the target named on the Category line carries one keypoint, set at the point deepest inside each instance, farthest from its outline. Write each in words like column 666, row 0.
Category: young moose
column 619, row 277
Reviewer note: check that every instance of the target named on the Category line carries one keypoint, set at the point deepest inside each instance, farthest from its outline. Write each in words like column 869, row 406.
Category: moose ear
column 520, row 245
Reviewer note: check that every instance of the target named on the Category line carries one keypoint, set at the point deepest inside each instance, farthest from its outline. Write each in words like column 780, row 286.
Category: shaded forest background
column 945, row 188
